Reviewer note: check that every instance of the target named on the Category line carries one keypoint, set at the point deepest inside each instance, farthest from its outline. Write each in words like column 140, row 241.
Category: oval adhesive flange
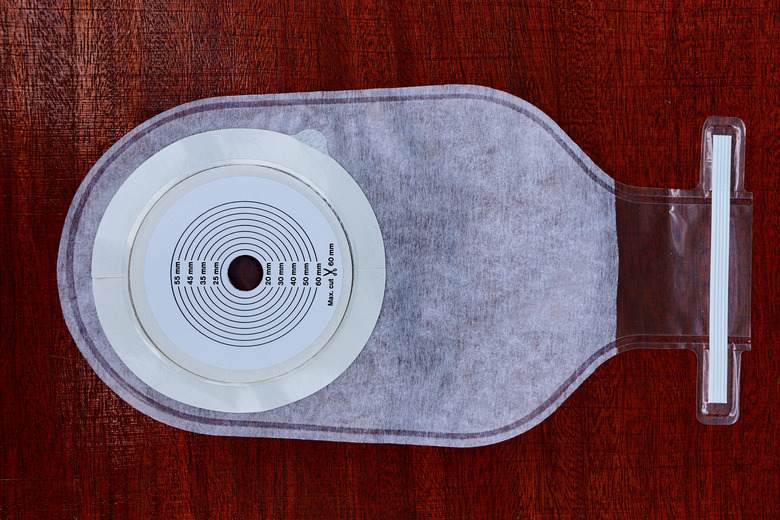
column 203, row 207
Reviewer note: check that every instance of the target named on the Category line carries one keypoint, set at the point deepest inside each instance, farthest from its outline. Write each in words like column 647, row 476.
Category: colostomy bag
column 472, row 266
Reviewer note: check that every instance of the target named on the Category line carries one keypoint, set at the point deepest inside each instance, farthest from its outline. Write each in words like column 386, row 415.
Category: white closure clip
column 719, row 268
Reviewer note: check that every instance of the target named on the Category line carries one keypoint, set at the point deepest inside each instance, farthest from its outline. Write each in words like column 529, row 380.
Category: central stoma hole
column 245, row 272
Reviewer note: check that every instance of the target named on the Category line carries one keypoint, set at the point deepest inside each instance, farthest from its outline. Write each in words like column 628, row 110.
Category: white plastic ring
column 161, row 257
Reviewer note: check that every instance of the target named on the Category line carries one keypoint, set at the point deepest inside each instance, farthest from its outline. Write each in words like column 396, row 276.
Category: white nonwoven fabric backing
column 501, row 259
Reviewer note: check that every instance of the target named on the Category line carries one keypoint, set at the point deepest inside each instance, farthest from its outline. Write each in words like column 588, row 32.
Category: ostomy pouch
column 436, row 265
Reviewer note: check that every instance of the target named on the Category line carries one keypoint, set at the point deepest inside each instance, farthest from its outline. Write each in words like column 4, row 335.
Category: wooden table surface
column 630, row 82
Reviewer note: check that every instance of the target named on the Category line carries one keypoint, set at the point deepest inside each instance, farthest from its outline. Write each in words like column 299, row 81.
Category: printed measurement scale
column 198, row 230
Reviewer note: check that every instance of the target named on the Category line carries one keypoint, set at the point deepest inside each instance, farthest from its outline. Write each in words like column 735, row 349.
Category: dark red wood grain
column 630, row 82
